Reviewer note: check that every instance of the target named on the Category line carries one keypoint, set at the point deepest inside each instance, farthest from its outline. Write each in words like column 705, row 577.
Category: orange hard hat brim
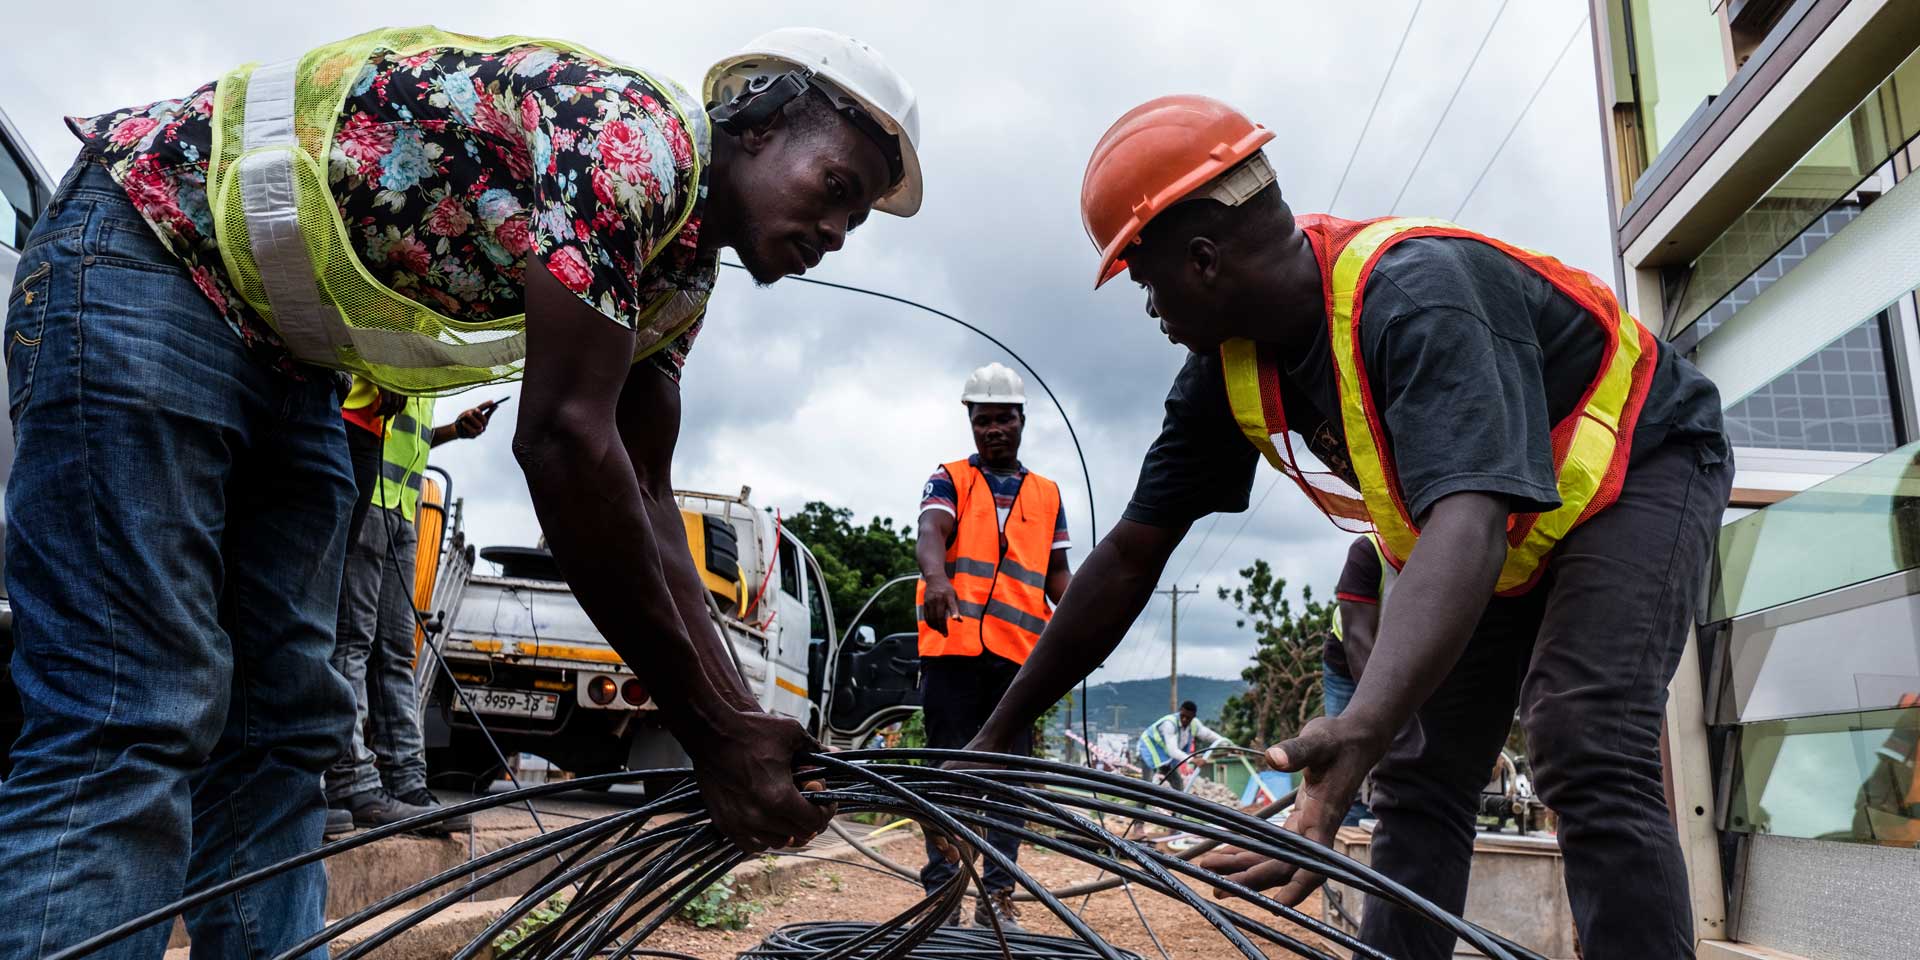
column 1219, row 160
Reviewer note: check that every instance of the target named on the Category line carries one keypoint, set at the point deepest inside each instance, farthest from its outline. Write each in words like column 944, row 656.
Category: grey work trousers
column 373, row 649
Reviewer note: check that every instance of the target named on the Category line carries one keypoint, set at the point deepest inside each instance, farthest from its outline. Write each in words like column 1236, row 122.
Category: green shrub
column 717, row 907
column 540, row 916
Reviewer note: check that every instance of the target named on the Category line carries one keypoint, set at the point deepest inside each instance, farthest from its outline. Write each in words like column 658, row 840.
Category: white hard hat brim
column 904, row 199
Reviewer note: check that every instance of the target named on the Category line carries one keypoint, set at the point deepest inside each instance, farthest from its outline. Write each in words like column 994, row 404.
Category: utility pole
column 1118, row 709
column 1173, row 660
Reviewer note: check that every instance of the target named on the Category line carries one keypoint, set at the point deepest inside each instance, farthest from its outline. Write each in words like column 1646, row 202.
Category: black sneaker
column 339, row 822
column 378, row 808
column 422, row 797
column 997, row 905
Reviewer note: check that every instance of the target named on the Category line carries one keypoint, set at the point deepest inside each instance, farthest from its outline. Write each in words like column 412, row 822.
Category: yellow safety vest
column 403, row 457
column 1590, row 446
column 291, row 258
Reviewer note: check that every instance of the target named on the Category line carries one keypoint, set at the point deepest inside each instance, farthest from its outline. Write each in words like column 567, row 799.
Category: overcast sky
column 806, row 393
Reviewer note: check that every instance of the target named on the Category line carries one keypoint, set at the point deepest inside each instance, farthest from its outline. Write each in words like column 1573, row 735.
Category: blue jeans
column 175, row 527
column 1336, row 691
column 374, row 652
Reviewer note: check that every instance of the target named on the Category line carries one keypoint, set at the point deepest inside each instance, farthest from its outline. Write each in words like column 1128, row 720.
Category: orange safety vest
column 1590, row 446
column 1003, row 595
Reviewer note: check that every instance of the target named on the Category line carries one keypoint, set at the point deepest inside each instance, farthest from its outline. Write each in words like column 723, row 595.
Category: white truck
column 535, row 672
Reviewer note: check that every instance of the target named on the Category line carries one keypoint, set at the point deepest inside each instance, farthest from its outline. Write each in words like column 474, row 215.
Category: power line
column 1435, row 133
column 1222, row 555
column 1382, row 92
column 1143, row 648
column 1577, row 30
column 1195, row 553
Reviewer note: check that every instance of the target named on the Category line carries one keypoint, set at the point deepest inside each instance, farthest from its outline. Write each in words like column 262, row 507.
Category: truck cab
column 525, row 666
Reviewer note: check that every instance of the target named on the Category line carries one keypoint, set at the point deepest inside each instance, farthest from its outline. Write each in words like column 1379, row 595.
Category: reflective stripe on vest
column 1387, row 573
column 1153, row 743
column 292, row 260
column 1590, row 446
column 1002, row 597
column 403, row 458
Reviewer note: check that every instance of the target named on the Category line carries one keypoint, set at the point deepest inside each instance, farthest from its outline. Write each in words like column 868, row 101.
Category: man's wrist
column 991, row 738
column 1366, row 729
column 715, row 724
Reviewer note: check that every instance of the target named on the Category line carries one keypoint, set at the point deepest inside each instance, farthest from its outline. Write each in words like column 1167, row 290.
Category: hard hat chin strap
column 765, row 95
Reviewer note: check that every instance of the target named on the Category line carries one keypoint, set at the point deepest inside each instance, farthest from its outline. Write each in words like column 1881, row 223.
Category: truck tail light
column 601, row 690
column 633, row 691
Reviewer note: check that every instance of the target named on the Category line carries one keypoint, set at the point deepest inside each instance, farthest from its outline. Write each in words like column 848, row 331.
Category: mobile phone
column 495, row 405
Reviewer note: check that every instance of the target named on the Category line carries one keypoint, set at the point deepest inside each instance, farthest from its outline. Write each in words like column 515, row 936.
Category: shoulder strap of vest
column 962, row 474
column 1247, row 395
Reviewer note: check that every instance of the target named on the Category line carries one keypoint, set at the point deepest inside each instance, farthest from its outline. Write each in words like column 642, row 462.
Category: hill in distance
column 1143, row 701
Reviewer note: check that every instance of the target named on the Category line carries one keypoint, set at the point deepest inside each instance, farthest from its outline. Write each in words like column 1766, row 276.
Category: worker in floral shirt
column 181, row 488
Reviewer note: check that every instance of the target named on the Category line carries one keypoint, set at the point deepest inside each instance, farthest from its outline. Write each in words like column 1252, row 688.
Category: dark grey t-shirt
column 1471, row 358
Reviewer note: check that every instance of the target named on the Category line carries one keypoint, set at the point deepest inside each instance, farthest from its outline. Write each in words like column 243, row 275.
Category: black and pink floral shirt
column 450, row 168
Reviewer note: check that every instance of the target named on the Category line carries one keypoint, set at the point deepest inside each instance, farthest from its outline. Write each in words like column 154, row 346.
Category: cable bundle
column 627, row 874
column 815, row 941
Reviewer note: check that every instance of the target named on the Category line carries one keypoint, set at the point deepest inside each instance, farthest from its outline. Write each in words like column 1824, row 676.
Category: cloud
column 807, row 393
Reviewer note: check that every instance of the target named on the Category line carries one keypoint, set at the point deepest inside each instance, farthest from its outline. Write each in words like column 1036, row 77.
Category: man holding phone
column 382, row 778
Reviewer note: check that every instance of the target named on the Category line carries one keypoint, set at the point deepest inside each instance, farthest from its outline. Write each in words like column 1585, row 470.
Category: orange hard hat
column 1152, row 158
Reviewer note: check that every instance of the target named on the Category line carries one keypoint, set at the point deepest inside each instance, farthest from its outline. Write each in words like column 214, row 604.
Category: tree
column 856, row 561
column 1283, row 684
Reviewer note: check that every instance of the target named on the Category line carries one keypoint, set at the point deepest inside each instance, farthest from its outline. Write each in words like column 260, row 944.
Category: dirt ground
column 828, row 891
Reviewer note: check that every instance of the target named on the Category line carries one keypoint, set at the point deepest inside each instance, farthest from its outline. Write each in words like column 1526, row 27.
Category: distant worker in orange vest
column 993, row 559
column 1562, row 470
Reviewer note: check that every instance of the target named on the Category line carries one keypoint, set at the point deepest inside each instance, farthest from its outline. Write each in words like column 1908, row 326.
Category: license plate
column 510, row 703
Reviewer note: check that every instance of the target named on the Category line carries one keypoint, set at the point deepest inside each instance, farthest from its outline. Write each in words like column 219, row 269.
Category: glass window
column 1820, row 195
column 1858, row 526
column 789, row 569
column 1847, row 777
column 1853, row 649
column 817, row 609
column 21, row 195
column 1677, row 64
column 1841, row 398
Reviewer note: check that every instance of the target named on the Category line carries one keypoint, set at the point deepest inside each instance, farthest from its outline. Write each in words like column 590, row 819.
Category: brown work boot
column 998, row 904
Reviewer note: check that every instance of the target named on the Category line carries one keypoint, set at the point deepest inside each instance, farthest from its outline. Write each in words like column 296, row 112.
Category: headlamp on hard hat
column 765, row 95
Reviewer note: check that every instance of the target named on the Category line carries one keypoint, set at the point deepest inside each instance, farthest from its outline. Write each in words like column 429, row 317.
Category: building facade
column 1760, row 156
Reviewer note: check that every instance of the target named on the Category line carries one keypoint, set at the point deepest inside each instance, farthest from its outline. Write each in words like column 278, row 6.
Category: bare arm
column 1435, row 603
column 1085, row 628
column 1059, row 575
column 1358, row 623
column 940, row 603
column 605, row 527
column 471, row 423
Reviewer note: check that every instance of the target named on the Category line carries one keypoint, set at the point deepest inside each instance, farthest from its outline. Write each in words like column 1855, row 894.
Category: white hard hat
column 994, row 383
column 854, row 75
